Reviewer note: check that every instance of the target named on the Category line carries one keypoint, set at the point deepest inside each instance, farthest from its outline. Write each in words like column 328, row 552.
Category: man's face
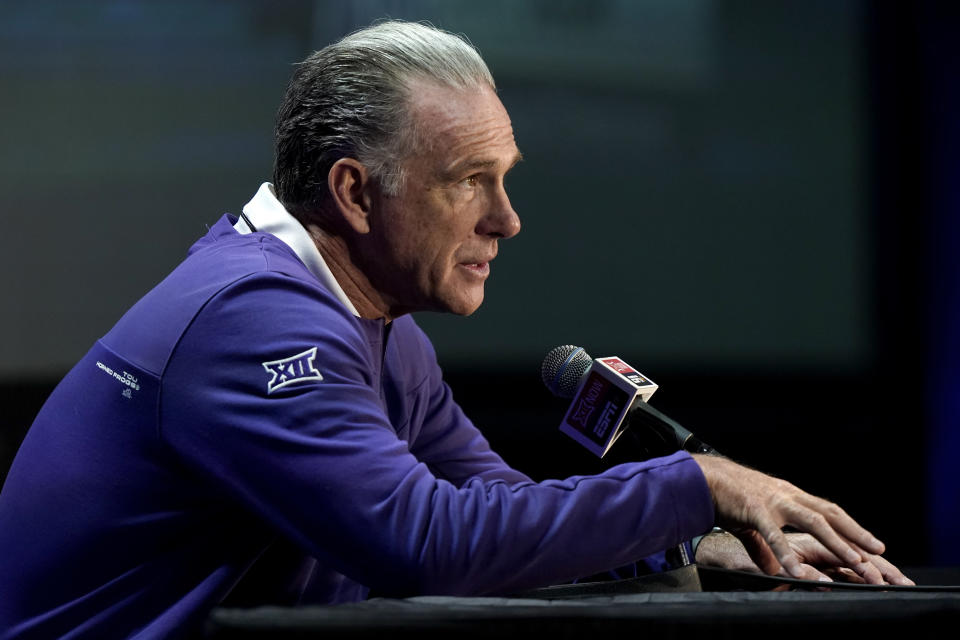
column 433, row 242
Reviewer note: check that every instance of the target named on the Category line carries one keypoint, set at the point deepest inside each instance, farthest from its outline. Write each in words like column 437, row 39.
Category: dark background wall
column 754, row 203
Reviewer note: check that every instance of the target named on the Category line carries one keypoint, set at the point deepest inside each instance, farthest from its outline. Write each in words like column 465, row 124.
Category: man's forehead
column 462, row 121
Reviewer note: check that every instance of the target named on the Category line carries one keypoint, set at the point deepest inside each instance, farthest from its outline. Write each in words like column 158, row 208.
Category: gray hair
column 350, row 99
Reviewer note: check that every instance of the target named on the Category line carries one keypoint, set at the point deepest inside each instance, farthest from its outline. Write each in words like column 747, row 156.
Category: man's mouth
column 478, row 268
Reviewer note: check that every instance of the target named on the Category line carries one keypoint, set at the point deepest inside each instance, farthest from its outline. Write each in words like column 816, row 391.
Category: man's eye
column 472, row 181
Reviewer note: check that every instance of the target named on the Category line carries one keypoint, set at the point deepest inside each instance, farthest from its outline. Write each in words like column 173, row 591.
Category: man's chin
column 465, row 311
column 465, row 306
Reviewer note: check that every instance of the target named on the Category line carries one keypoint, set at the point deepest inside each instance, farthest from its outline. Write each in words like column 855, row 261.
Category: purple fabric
column 190, row 457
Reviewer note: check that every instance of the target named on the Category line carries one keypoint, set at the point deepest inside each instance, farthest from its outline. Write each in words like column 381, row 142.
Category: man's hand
column 817, row 562
column 755, row 507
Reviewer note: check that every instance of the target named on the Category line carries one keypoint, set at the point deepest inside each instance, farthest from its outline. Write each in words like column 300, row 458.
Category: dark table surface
column 673, row 605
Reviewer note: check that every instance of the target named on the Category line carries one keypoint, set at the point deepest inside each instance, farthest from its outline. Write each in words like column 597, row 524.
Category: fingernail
column 823, row 578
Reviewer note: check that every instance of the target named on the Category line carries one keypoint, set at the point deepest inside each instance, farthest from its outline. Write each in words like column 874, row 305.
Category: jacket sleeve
column 317, row 459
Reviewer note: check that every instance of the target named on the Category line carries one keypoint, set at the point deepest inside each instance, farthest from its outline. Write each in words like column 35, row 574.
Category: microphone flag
column 596, row 416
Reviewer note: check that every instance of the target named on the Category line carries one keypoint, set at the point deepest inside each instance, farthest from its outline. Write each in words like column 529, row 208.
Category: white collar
column 267, row 214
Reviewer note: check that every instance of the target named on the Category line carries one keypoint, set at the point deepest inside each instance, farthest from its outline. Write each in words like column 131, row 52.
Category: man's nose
column 501, row 220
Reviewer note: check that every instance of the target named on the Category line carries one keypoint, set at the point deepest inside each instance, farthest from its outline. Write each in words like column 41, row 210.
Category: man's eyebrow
column 474, row 165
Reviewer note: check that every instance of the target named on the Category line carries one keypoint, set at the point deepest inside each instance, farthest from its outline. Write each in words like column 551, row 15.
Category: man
column 268, row 425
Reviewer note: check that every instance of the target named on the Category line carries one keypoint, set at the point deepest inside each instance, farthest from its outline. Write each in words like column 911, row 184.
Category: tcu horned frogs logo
column 298, row 368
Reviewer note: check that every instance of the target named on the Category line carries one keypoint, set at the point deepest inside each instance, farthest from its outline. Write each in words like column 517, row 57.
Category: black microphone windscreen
column 562, row 369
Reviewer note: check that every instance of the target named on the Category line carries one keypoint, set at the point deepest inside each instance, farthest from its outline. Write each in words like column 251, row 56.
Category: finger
column 778, row 543
column 816, row 524
column 809, row 572
column 869, row 573
column 806, row 571
column 811, row 551
column 889, row 572
column 842, row 523
column 759, row 551
column 872, row 571
column 845, row 574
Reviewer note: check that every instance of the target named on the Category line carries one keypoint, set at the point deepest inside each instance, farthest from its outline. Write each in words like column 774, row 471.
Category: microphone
column 608, row 397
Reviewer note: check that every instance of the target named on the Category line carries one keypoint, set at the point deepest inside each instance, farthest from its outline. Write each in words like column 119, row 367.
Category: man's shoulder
column 253, row 271
column 223, row 254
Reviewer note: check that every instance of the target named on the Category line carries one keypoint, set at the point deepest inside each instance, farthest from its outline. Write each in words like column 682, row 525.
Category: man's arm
column 319, row 461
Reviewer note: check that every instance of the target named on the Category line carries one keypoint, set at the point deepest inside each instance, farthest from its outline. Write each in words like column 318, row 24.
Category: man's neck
column 355, row 284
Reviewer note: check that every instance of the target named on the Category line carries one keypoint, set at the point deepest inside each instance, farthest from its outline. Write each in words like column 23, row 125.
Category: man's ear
column 350, row 186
